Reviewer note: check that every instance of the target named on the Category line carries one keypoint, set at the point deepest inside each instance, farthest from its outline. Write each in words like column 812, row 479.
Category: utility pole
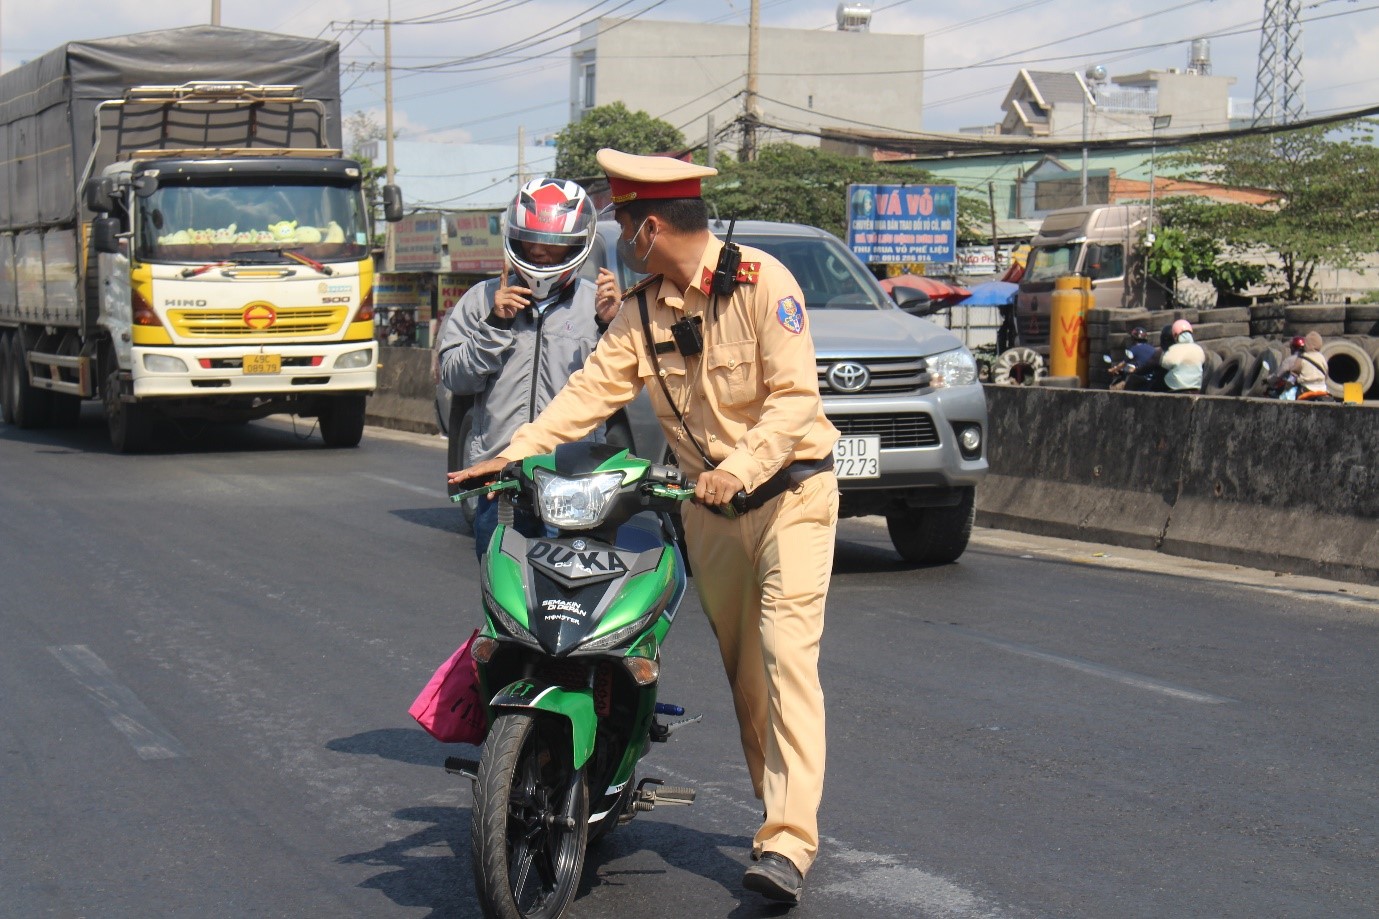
column 995, row 240
column 521, row 156
column 710, row 153
column 215, row 12
column 751, row 111
column 388, row 92
column 1278, row 82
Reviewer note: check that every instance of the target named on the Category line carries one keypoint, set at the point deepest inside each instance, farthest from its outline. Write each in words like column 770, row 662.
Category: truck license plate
column 263, row 363
column 857, row 457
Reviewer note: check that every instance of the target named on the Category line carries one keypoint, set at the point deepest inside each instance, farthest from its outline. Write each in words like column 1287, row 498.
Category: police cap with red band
column 641, row 178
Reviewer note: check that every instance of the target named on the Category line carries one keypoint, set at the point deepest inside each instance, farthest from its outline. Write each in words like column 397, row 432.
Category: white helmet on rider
column 552, row 212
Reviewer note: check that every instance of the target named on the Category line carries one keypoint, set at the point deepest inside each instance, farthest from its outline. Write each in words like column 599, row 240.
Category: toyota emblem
column 848, row 377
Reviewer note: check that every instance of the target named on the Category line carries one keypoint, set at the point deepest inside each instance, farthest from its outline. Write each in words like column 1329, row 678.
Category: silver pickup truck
column 902, row 391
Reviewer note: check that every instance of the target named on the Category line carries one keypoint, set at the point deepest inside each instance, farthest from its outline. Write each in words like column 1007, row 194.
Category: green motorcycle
column 569, row 659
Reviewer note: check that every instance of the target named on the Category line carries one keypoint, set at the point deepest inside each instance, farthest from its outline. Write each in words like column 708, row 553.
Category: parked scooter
column 569, row 660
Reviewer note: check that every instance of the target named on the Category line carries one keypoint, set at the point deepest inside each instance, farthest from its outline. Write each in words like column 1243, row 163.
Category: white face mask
column 627, row 251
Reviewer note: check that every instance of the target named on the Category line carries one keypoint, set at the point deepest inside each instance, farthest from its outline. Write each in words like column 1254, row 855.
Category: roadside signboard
column 416, row 243
column 903, row 223
column 475, row 241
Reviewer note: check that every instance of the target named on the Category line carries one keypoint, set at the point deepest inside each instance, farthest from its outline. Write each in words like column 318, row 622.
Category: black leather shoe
column 775, row 877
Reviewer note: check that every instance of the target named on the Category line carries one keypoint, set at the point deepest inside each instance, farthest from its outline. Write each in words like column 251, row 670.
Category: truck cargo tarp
column 47, row 106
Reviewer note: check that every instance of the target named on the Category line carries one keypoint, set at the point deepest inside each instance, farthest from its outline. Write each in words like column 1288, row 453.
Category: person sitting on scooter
column 1183, row 361
column 1303, row 371
column 1136, row 371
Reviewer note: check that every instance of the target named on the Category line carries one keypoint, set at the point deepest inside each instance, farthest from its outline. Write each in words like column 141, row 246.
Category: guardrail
column 1278, row 485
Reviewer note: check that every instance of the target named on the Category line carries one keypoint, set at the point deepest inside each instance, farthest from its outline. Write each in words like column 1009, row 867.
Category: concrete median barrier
column 405, row 398
column 1276, row 485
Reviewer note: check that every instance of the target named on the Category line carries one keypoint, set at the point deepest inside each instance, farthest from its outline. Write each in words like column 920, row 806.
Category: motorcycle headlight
column 575, row 504
column 952, row 368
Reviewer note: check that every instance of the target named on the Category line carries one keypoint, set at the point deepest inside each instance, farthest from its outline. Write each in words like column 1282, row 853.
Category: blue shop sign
column 903, row 223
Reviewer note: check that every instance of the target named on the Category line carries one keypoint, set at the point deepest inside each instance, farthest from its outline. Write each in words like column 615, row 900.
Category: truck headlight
column 952, row 368
column 162, row 363
column 353, row 360
column 578, row 503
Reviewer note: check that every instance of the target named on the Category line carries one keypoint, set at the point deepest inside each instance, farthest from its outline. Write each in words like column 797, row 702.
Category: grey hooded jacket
column 514, row 367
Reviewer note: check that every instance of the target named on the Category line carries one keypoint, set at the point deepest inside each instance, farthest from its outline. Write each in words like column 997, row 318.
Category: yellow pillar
column 1068, row 349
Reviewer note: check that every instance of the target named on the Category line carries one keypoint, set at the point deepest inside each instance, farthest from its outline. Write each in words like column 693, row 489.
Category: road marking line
column 872, row 877
column 122, row 708
column 1083, row 666
column 436, row 492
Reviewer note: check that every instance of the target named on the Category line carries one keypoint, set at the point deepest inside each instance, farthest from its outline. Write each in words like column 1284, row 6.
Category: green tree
column 1327, row 212
column 808, row 185
column 610, row 126
column 1177, row 253
column 361, row 128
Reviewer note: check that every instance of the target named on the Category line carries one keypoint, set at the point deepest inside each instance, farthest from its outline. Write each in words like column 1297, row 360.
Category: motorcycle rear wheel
column 528, row 830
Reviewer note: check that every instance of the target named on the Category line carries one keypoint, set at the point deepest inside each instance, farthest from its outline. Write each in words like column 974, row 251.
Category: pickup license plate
column 263, row 363
column 857, row 458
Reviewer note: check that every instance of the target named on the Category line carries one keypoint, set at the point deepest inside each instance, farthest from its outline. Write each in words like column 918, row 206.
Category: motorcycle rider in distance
column 1183, row 361
column 1303, row 373
column 513, row 343
column 1135, row 371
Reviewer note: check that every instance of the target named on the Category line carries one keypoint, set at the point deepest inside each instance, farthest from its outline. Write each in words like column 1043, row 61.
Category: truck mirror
column 105, row 234
column 392, row 203
column 94, row 197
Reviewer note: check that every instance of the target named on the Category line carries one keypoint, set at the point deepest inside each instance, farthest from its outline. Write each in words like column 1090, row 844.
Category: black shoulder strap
column 1313, row 363
column 660, row 378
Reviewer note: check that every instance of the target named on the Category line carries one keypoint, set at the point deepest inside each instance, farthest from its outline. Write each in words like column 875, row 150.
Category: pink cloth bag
column 449, row 707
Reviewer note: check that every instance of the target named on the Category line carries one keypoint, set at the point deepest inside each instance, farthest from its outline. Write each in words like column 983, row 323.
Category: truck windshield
column 204, row 222
column 1049, row 262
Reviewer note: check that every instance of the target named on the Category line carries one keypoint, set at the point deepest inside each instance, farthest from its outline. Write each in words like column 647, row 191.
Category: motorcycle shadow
column 430, row 868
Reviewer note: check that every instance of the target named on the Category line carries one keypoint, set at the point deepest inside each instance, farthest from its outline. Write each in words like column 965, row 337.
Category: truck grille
column 289, row 321
column 896, row 431
column 885, row 374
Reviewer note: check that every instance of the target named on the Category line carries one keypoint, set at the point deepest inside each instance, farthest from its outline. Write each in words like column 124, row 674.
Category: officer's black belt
column 786, row 477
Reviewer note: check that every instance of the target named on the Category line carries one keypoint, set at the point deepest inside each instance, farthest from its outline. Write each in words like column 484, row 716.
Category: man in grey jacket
column 511, row 343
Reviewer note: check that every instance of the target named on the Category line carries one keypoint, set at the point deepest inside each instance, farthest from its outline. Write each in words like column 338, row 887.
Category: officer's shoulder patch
column 640, row 286
column 791, row 314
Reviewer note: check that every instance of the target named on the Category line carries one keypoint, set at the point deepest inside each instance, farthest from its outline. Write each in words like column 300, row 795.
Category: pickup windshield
column 829, row 275
column 205, row 222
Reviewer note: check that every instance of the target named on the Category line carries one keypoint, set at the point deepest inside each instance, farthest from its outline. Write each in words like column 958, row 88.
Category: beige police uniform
column 751, row 399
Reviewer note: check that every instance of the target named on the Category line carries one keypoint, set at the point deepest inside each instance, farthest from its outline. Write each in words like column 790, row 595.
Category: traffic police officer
column 729, row 365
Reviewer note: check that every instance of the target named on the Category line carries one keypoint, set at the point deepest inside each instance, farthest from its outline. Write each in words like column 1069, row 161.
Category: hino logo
column 848, row 377
column 174, row 304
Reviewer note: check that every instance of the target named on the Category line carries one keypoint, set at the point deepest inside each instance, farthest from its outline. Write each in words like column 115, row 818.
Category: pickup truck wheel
column 933, row 535
column 32, row 406
column 342, row 421
column 457, row 453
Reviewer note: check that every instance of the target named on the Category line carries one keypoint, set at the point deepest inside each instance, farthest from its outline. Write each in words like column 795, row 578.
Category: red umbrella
column 939, row 291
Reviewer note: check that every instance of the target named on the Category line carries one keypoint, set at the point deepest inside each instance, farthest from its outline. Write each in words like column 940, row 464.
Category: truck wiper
column 193, row 272
column 295, row 256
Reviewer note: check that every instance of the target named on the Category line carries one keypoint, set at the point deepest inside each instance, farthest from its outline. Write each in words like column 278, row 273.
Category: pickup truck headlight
column 952, row 368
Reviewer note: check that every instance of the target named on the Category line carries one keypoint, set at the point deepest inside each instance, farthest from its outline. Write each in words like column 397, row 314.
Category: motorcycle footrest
column 469, row 768
column 660, row 793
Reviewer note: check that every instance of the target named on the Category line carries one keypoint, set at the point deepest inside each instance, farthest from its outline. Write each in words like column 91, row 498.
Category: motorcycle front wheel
column 528, row 830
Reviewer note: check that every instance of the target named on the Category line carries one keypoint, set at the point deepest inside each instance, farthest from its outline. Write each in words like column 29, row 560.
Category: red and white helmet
column 555, row 212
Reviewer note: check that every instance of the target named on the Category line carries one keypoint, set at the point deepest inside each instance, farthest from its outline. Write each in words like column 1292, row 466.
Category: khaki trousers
column 763, row 580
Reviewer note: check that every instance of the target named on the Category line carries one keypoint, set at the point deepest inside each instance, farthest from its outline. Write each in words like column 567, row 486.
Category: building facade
column 687, row 74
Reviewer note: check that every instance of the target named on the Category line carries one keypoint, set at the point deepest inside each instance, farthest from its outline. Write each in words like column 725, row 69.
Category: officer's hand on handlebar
column 478, row 474
column 716, row 488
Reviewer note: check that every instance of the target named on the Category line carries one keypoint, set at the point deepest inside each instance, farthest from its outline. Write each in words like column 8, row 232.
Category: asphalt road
column 209, row 653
